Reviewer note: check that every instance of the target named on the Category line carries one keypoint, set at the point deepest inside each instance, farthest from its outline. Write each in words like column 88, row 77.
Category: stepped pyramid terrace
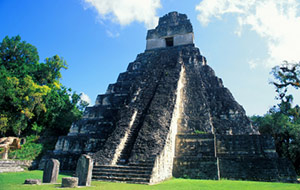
column 169, row 115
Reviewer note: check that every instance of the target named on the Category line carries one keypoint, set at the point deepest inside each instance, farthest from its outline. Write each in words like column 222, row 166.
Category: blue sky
column 241, row 39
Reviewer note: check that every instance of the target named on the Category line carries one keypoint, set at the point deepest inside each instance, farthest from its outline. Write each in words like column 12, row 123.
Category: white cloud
column 85, row 97
column 253, row 64
column 111, row 34
column 277, row 21
column 126, row 11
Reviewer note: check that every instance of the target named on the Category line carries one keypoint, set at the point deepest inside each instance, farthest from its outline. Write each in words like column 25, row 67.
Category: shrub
column 29, row 151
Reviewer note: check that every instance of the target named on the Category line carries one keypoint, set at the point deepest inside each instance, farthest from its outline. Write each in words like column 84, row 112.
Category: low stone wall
column 22, row 163
column 195, row 157
column 196, row 145
column 16, row 165
column 257, row 169
column 241, row 157
column 195, row 167
column 245, row 145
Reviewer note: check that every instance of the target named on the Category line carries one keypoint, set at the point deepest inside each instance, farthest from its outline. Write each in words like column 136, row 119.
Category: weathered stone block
column 51, row 171
column 69, row 182
column 33, row 181
column 195, row 167
column 84, row 170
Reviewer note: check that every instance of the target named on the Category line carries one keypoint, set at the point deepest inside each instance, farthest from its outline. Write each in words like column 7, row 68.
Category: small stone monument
column 33, row 181
column 84, row 170
column 69, row 182
column 51, row 171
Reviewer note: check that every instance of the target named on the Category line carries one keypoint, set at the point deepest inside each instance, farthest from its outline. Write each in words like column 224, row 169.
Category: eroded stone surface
column 51, row 171
column 242, row 157
column 69, row 182
column 33, row 181
column 171, row 24
column 84, row 170
column 174, row 29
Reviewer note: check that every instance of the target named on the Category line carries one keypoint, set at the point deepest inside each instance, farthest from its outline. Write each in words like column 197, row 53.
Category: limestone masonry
column 169, row 115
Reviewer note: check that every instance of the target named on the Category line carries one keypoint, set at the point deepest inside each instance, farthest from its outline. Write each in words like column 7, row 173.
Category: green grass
column 15, row 180
column 10, row 181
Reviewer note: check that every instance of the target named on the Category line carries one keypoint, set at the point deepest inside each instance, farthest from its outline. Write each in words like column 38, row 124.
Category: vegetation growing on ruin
column 199, row 132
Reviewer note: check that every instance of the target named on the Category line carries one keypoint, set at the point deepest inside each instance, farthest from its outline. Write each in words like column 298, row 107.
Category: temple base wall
column 238, row 157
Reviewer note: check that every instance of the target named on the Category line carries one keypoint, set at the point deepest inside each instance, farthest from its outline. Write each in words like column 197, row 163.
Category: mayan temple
column 170, row 115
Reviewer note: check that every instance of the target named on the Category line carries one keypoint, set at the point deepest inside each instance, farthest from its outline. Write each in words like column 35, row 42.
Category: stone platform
column 15, row 165
column 239, row 157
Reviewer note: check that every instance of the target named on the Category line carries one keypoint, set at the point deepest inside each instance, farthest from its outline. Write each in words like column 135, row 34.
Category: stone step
column 118, row 167
column 148, row 172
column 195, row 158
column 196, row 136
column 11, row 169
column 131, row 174
column 7, row 162
column 122, row 179
column 8, row 165
column 145, row 164
column 197, row 154
column 149, row 160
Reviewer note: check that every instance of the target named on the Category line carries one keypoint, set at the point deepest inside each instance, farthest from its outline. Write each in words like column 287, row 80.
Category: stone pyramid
column 169, row 115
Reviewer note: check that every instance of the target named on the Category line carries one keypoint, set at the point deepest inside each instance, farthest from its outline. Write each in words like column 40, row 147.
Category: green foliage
column 286, row 75
column 3, row 123
column 33, row 102
column 18, row 57
column 32, row 99
column 63, row 110
column 35, row 127
column 283, row 121
column 29, row 151
column 285, row 129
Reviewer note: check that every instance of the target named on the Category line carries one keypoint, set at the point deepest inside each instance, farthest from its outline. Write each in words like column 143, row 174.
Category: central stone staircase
column 126, row 152
column 131, row 173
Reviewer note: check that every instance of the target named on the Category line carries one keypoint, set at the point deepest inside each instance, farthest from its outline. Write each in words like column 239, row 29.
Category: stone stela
column 51, row 171
column 170, row 115
column 84, row 170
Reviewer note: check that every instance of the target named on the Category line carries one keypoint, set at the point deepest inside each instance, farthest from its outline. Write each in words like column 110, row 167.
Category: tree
column 32, row 99
column 63, row 110
column 286, row 75
column 283, row 120
column 285, row 129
